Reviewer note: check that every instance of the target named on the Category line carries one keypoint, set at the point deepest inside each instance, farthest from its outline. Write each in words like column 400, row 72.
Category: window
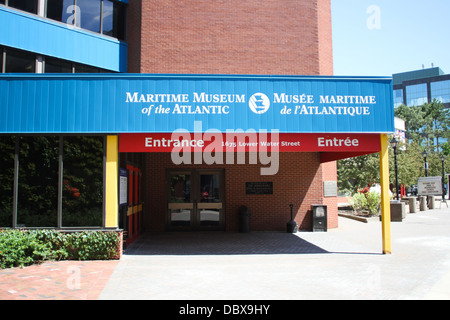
column 82, row 202
column 79, row 68
column 39, row 176
column 1, row 60
column 2, row 1
column 19, row 62
column 7, row 145
column 38, row 182
column 416, row 95
column 398, row 98
column 61, row 10
column 89, row 14
column 441, row 91
column 28, row 5
column 57, row 66
column 113, row 20
column 100, row 16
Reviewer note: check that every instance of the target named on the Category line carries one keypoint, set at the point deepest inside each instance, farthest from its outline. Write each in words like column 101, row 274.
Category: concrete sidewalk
column 344, row 263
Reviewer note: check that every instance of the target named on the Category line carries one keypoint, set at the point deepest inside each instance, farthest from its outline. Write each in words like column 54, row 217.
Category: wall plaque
column 259, row 187
column 330, row 188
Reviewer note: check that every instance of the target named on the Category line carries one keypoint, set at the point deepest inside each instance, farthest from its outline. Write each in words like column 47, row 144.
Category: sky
column 383, row 37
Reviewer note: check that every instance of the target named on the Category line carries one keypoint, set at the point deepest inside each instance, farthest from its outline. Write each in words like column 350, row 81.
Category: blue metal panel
column 50, row 38
column 118, row 103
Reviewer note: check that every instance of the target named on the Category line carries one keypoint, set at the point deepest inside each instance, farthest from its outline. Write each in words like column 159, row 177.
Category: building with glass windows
column 414, row 88
column 173, row 116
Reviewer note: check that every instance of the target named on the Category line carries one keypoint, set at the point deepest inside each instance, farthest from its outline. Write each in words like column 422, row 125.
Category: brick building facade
column 230, row 37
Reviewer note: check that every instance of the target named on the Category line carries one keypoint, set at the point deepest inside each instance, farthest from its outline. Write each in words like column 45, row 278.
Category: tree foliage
column 426, row 128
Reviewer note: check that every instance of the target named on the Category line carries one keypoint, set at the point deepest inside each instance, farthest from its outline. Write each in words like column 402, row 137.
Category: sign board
column 259, row 188
column 430, row 186
column 330, row 188
column 123, row 187
column 248, row 142
column 145, row 103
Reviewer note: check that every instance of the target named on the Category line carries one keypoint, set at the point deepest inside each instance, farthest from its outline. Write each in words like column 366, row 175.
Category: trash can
column 244, row 219
column 319, row 218
column 412, row 204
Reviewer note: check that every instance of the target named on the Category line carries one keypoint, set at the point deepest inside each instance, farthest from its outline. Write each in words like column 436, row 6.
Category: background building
column 414, row 88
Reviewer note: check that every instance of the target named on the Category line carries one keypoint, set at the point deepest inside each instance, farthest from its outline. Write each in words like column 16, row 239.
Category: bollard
column 412, row 204
column 423, row 203
column 431, row 202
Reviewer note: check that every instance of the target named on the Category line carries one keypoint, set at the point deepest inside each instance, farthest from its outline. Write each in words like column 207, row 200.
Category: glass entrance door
column 195, row 200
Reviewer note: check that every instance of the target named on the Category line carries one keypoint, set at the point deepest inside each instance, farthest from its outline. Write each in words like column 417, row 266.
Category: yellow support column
column 111, row 182
column 385, row 199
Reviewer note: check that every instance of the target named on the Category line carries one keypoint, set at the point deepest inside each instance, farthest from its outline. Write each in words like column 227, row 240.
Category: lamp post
column 394, row 144
column 425, row 155
column 443, row 177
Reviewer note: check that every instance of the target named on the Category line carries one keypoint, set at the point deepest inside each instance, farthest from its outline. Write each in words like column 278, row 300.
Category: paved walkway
column 63, row 280
column 344, row 263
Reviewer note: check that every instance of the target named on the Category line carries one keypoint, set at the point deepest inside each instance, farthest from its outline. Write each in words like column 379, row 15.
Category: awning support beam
column 111, row 182
column 385, row 199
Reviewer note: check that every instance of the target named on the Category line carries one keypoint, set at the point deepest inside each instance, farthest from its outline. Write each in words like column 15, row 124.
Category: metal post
column 396, row 172
column 112, row 182
column 424, row 155
column 443, row 184
column 385, row 203
column 16, row 182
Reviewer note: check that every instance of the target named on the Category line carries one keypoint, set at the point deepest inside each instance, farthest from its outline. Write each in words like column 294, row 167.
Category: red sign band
column 248, row 142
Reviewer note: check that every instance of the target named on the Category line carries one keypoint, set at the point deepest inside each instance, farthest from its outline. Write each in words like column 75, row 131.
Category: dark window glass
column 108, row 18
column 38, row 182
column 114, row 20
column 25, row 5
column 19, row 62
column 89, row 13
column 82, row 203
column 61, row 10
column 1, row 59
column 8, row 147
column 57, row 66
column 119, row 21
column 85, row 69
column 2, row 1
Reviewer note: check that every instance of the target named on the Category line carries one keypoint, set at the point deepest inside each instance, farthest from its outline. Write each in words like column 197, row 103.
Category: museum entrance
column 195, row 200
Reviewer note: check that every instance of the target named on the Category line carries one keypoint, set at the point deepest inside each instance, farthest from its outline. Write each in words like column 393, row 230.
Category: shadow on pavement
column 221, row 243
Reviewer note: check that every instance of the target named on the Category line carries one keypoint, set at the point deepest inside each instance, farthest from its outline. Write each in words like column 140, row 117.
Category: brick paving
column 62, row 280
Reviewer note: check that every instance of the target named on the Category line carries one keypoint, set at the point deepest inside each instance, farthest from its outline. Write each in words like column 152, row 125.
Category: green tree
column 357, row 173
column 436, row 122
column 414, row 118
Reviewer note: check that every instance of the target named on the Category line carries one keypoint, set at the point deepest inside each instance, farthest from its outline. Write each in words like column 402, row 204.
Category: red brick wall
column 325, row 37
column 231, row 37
column 298, row 181
column 329, row 173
